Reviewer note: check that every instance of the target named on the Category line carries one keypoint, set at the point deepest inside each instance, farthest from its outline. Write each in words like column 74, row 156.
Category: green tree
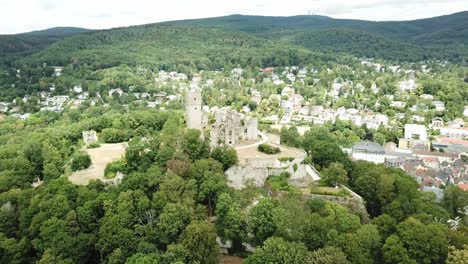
column 334, row 174
column 80, row 161
column 422, row 243
column 230, row 221
column 140, row 258
column 455, row 199
column 315, row 232
column 327, row 255
column 194, row 146
column 225, row 155
column 276, row 250
column 172, row 221
column 261, row 220
column 457, row 256
column 199, row 238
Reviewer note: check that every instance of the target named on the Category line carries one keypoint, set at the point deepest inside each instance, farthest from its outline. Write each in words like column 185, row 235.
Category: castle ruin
column 193, row 108
column 90, row 137
column 231, row 127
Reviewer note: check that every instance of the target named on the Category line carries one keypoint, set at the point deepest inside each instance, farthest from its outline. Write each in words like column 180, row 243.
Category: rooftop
column 368, row 146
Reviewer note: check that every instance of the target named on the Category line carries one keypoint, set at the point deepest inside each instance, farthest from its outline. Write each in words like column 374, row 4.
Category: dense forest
column 443, row 37
column 175, row 200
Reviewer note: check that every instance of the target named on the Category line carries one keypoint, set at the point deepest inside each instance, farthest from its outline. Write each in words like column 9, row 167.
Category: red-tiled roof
column 454, row 141
column 430, row 159
column 435, row 154
column 463, row 186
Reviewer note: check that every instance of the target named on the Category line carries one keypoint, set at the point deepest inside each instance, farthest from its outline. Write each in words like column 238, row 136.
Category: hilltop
column 36, row 39
column 169, row 45
column 444, row 36
column 242, row 40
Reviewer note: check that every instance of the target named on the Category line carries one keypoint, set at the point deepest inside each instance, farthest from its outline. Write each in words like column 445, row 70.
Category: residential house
column 286, row 119
column 441, row 156
column 426, row 96
column 431, row 162
column 78, row 89
column 83, row 96
column 369, row 151
column 398, row 104
column 413, row 131
column 417, row 118
column 116, row 92
column 58, row 71
column 374, row 88
column 160, row 97
column 287, row 91
column 439, row 106
column 256, row 96
column 304, row 111
column 59, row 99
column 408, row 85
column 437, row 122
column 454, row 132
column 272, row 118
column 267, row 70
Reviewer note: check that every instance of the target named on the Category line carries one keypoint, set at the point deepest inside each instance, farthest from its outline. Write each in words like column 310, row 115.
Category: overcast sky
column 26, row 15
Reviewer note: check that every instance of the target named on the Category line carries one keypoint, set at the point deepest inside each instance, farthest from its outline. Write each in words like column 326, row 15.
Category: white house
column 453, row 132
column 439, row 106
column 369, row 151
column 413, row 131
column 77, row 89
column 426, row 96
column 117, row 91
column 407, row 85
column 287, row 91
column 398, row 104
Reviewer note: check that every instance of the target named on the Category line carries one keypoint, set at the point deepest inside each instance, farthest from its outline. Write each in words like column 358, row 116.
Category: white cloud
column 27, row 15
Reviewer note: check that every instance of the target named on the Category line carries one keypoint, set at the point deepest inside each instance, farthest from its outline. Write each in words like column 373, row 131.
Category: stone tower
column 193, row 108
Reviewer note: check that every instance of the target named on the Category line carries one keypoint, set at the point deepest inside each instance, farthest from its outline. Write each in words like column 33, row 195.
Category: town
column 428, row 138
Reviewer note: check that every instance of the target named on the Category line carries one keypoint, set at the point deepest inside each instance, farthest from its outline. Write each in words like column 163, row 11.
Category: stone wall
column 256, row 172
column 90, row 137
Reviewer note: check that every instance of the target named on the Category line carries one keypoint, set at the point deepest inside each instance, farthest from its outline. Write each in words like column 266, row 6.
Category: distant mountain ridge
column 30, row 41
column 444, row 37
column 405, row 40
column 412, row 29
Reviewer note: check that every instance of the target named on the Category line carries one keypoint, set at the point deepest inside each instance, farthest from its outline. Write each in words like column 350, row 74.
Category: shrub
column 93, row 145
column 284, row 159
column 80, row 161
column 268, row 149
column 279, row 183
column 112, row 135
column 114, row 167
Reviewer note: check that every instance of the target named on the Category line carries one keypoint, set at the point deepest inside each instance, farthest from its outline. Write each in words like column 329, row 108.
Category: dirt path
column 264, row 140
column 100, row 157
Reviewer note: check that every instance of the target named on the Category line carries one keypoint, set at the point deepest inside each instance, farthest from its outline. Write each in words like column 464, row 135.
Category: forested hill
column 243, row 40
column 169, row 45
column 444, row 36
column 404, row 30
column 25, row 43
